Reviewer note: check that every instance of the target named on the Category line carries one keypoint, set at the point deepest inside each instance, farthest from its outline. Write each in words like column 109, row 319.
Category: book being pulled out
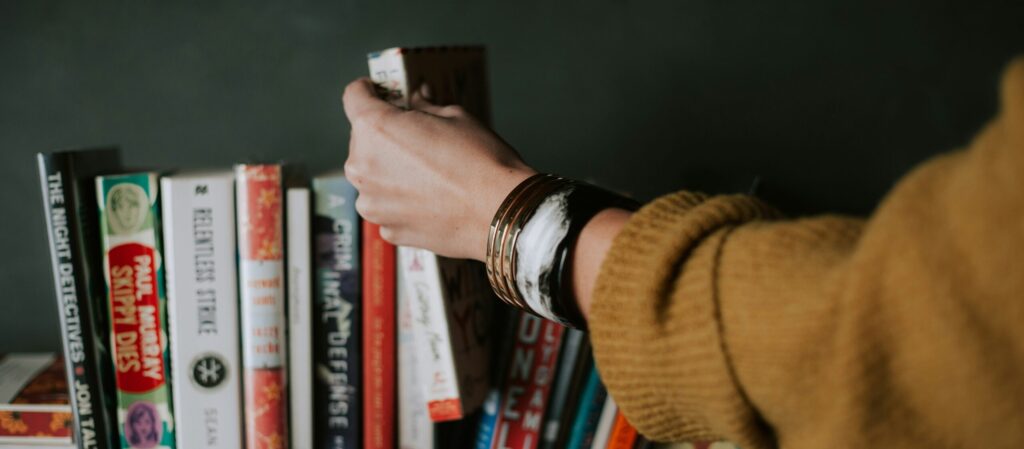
column 450, row 300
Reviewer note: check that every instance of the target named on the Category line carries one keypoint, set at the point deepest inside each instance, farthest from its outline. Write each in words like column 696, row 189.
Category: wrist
column 490, row 198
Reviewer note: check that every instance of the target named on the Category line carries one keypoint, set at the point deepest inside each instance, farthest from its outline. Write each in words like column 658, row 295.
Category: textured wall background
column 828, row 102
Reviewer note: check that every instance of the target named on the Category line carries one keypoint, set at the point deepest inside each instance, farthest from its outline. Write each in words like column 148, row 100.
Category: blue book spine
column 337, row 323
column 488, row 417
column 591, row 404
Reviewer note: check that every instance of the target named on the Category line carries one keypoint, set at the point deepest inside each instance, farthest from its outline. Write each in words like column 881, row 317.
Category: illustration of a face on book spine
column 127, row 207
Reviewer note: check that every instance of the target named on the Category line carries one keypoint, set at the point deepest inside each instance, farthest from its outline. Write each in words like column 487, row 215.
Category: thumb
column 361, row 101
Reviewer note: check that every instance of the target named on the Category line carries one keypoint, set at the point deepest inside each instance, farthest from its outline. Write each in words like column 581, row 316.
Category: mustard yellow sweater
column 713, row 318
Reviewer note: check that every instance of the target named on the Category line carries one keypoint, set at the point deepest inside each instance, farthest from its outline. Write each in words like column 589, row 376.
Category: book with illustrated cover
column 34, row 403
column 69, row 202
column 337, row 313
column 202, row 297
column 298, row 203
column 134, row 266
column 261, row 278
column 453, row 298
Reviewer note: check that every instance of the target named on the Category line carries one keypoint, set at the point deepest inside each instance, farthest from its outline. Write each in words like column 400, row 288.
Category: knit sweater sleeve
column 714, row 319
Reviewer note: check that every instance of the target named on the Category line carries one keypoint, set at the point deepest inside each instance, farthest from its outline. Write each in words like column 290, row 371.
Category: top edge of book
column 427, row 49
column 112, row 149
column 334, row 173
column 200, row 173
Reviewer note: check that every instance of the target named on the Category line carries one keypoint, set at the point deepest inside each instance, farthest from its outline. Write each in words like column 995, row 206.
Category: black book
column 69, row 201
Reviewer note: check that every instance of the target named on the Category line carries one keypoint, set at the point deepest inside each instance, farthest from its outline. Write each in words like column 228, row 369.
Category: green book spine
column 137, row 303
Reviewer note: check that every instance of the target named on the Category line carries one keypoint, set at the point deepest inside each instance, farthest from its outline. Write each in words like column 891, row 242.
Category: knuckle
column 454, row 110
column 365, row 207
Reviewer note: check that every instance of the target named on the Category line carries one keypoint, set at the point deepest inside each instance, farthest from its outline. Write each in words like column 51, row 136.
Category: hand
column 432, row 177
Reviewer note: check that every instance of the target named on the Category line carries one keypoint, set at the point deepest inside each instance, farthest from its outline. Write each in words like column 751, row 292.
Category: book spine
column 300, row 309
column 34, row 402
column 415, row 429
column 488, row 418
column 588, row 413
column 528, row 383
column 261, row 288
column 130, row 220
column 571, row 346
column 202, row 292
column 378, row 339
column 337, row 325
column 623, row 434
column 604, row 425
column 70, row 210
column 422, row 279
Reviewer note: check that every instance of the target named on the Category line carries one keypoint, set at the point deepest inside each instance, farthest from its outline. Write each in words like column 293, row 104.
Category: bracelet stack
column 531, row 241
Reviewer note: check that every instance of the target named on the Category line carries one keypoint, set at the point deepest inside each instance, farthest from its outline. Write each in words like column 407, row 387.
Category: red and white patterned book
column 261, row 287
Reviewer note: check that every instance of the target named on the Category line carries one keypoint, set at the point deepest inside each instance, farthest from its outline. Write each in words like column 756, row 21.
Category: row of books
column 253, row 308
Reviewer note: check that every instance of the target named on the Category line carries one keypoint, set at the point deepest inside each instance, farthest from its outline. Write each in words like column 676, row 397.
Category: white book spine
column 199, row 231
column 439, row 380
column 415, row 430
column 604, row 425
column 300, row 307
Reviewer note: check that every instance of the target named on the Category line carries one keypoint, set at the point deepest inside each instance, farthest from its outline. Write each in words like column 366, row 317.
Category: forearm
column 591, row 248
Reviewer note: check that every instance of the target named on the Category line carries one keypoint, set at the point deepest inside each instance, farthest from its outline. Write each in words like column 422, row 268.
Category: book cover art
column 34, row 403
column 453, row 298
column 338, row 314
column 528, row 383
column 129, row 224
column 69, row 202
column 300, row 319
column 202, row 296
column 261, row 286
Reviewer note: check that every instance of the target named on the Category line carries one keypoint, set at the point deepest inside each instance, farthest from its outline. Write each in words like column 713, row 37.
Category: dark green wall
column 828, row 102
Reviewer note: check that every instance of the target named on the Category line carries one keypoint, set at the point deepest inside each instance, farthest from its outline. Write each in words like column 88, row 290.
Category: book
column 300, row 311
column 69, row 203
column 451, row 305
column 588, row 413
column 453, row 298
column 415, row 429
column 202, row 297
column 528, row 383
column 338, row 322
column 379, row 350
column 34, row 403
column 261, row 280
column 133, row 262
column 570, row 367
column 623, row 434
column 604, row 424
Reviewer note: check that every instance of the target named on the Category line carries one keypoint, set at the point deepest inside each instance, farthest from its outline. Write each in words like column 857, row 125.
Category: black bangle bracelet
column 584, row 203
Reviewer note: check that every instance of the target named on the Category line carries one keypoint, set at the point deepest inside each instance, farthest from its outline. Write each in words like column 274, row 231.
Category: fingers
column 361, row 101
column 421, row 101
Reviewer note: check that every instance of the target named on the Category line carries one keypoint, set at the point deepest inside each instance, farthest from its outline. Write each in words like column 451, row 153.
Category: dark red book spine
column 528, row 383
column 378, row 339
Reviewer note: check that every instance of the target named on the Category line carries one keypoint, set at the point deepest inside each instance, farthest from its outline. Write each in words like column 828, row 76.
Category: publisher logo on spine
column 209, row 371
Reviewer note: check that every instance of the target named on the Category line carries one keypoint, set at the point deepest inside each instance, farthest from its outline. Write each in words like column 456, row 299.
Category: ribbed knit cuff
column 654, row 322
